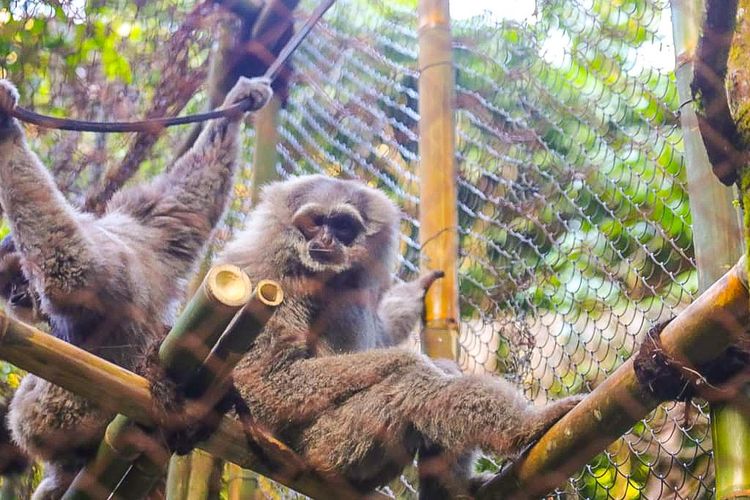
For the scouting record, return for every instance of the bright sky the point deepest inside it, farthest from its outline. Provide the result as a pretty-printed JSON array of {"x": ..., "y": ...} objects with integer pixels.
[
  {"x": 518, "y": 10},
  {"x": 658, "y": 54}
]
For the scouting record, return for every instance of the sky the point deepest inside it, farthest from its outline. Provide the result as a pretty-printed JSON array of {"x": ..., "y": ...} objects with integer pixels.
[
  {"x": 659, "y": 54},
  {"x": 518, "y": 10}
]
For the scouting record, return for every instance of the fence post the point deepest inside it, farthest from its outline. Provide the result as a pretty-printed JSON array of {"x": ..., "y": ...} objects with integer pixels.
[
  {"x": 265, "y": 155},
  {"x": 438, "y": 219},
  {"x": 718, "y": 243}
]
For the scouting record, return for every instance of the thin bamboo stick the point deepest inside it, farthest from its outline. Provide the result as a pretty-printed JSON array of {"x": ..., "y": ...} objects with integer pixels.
[
  {"x": 120, "y": 391},
  {"x": 438, "y": 217},
  {"x": 702, "y": 332}
]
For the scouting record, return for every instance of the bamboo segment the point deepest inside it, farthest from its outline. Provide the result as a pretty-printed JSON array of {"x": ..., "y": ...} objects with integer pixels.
[
  {"x": 700, "y": 333},
  {"x": 265, "y": 156},
  {"x": 236, "y": 340},
  {"x": 145, "y": 472},
  {"x": 118, "y": 390},
  {"x": 224, "y": 291},
  {"x": 241, "y": 483},
  {"x": 178, "y": 477},
  {"x": 209, "y": 383},
  {"x": 203, "y": 476},
  {"x": 438, "y": 217},
  {"x": 119, "y": 447}
]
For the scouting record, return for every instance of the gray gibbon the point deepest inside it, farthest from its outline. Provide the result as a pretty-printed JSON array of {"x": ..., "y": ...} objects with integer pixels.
[
  {"x": 323, "y": 376},
  {"x": 108, "y": 283}
]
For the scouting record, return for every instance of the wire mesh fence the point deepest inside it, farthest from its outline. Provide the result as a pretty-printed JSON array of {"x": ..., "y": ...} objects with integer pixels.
[{"x": 575, "y": 231}]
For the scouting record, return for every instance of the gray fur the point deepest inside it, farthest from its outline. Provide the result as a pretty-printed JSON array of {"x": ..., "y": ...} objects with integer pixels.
[
  {"x": 108, "y": 284},
  {"x": 356, "y": 306},
  {"x": 362, "y": 415}
]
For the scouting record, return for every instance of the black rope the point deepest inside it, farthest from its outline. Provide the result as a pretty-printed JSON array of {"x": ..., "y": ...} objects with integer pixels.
[{"x": 155, "y": 124}]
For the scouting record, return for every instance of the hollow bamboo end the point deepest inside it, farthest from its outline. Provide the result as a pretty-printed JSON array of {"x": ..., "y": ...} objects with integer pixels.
[
  {"x": 269, "y": 292},
  {"x": 228, "y": 285}
]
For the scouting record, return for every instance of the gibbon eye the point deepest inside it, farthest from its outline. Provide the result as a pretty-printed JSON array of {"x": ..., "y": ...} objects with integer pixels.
[{"x": 345, "y": 228}]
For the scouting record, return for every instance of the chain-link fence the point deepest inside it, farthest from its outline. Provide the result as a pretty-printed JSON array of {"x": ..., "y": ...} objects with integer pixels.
[{"x": 575, "y": 232}]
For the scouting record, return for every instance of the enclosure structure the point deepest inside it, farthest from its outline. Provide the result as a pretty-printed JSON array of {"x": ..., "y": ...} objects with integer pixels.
[{"x": 574, "y": 229}]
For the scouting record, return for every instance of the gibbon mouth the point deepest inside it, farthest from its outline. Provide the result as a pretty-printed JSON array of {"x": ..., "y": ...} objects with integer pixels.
[{"x": 324, "y": 255}]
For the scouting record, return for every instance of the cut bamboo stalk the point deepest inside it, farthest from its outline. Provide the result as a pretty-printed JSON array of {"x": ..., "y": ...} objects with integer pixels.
[
  {"x": 178, "y": 477},
  {"x": 239, "y": 336},
  {"x": 224, "y": 290},
  {"x": 699, "y": 334},
  {"x": 118, "y": 390},
  {"x": 210, "y": 382},
  {"x": 438, "y": 216}
]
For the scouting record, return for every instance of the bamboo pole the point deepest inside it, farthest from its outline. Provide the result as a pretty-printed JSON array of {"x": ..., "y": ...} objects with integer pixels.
[
  {"x": 718, "y": 243},
  {"x": 203, "y": 476},
  {"x": 265, "y": 155},
  {"x": 210, "y": 383},
  {"x": 702, "y": 332},
  {"x": 216, "y": 370},
  {"x": 119, "y": 391},
  {"x": 241, "y": 484},
  {"x": 224, "y": 290},
  {"x": 178, "y": 477},
  {"x": 438, "y": 218}
]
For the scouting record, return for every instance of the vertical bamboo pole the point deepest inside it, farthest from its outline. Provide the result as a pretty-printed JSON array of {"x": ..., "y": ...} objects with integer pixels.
[
  {"x": 178, "y": 477},
  {"x": 718, "y": 244},
  {"x": 241, "y": 483},
  {"x": 265, "y": 155},
  {"x": 203, "y": 476},
  {"x": 438, "y": 218}
]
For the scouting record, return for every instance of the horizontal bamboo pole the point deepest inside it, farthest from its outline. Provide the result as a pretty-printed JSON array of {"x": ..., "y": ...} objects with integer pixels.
[
  {"x": 119, "y": 391},
  {"x": 702, "y": 332}
]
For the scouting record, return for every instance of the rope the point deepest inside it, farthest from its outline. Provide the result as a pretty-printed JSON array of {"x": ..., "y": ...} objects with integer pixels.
[{"x": 155, "y": 124}]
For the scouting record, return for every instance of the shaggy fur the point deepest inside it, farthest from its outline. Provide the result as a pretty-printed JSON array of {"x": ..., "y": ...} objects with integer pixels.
[
  {"x": 108, "y": 284},
  {"x": 349, "y": 299},
  {"x": 362, "y": 415}
]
